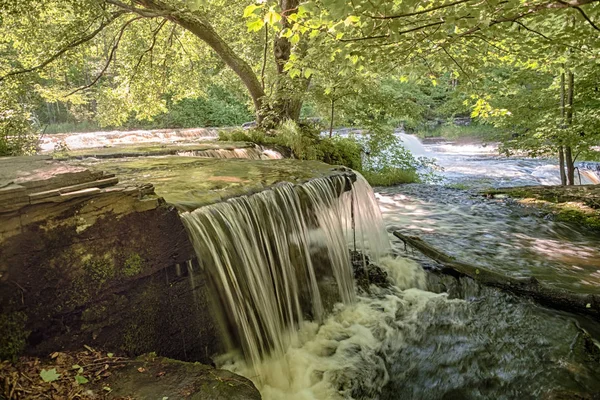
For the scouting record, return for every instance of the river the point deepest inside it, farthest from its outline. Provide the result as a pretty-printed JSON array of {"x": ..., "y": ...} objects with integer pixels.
[
  {"x": 438, "y": 338},
  {"x": 496, "y": 234}
]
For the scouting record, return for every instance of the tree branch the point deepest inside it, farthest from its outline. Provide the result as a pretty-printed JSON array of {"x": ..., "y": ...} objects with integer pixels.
[
  {"x": 420, "y": 12},
  {"x": 68, "y": 47},
  {"x": 140, "y": 11},
  {"x": 110, "y": 57},
  {"x": 457, "y": 64},
  {"x": 418, "y": 28},
  {"x": 583, "y": 14},
  {"x": 149, "y": 49}
]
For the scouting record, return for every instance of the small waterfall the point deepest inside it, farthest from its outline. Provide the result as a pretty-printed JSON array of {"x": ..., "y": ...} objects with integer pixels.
[
  {"x": 413, "y": 144},
  {"x": 272, "y": 256},
  {"x": 251, "y": 153}
]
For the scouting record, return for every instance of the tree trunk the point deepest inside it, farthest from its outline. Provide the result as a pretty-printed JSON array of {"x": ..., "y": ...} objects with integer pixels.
[
  {"x": 332, "y": 117},
  {"x": 561, "y": 165},
  {"x": 288, "y": 96},
  {"x": 570, "y": 165},
  {"x": 561, "y": 153},
  {"x": 569, "y": 119}
]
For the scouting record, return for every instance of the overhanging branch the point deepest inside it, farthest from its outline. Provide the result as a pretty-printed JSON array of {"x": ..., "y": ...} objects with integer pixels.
[
  {"x": 110, "y": 57},
  {"x": 68, "y": 47}
]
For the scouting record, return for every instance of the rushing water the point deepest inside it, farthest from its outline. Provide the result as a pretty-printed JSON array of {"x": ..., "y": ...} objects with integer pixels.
[
  {"x": 496, "y": 234},
  {"x": 275, "y": 257}
]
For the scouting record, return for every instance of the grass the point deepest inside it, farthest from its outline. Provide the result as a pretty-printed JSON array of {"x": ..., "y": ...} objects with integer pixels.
[{"x": 390, "y": 177}]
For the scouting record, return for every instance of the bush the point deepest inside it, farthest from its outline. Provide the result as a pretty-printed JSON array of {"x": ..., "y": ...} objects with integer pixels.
[
  {"x": 17, "y": 135},
  {"x": 390, "y": 176},
  {"x": 387, "y": 163}
]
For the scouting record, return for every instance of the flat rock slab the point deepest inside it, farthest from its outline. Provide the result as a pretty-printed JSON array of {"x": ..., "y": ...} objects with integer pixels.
[
  {"x": 155, "y": 378},
  {"x": 40, "y": 179},
  {"x": 191, "y": 182}
]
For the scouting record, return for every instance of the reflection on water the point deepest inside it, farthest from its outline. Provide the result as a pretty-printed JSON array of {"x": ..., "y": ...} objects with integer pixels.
[{"x": 496, "y": 234}]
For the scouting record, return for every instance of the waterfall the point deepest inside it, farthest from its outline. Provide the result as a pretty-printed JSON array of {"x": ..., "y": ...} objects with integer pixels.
[
  {"x": 271, "y": 257},
  {"x": 251, "y": 153}
]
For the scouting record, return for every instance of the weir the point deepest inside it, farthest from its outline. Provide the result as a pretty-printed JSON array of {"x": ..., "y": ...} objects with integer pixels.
[{"x": 281, "y": 256}]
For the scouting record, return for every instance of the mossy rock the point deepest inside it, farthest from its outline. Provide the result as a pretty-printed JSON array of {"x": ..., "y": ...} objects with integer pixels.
[
  {"x": 152, "y": 378},
  {"x": 13, "y": 334}
]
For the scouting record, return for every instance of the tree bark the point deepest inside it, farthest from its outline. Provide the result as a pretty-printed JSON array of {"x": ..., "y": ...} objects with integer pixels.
[
  {"x": 561, "y": 151},
  {"x": 561, "y": 165},
  {"x": 546, "y": 295},
  {"x": 287, "y": 103},
  {"x": 570, "y": 162},
  {"x": 569, "y": 119}
]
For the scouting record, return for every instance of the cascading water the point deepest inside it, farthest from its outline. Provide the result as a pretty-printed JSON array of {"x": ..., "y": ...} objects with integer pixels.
[
  {"x": 268, "y": 256},
  {"x": 252, "y": 153},
  {"x": 275, "y": 259}
]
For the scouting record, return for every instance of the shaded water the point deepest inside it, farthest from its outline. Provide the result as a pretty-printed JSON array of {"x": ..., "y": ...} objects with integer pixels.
[{"x": 496, "y": 234}]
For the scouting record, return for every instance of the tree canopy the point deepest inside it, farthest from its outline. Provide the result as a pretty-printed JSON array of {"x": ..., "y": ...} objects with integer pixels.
[{"x": 359, "y": 60}]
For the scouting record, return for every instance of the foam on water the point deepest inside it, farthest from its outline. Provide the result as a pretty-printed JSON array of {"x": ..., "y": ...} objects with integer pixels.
[{"x": 346, "y": 356}]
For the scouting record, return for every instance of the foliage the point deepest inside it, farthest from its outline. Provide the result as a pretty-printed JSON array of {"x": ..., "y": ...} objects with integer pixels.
[{"x": 380, "y": 157}]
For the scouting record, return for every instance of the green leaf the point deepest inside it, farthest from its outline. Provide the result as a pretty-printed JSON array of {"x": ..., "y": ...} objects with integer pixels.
[
  {"x": 49, "y": 375},
  {"x": 295, "y": 39},
  {"x": 110, "y": 355},
  {"x": 352, "y": 19},
  {"x": 255, "y": 26},
  {"x": 294, "y": 72},
  {"x": 588, "y": 305},
  {"x": 81, "y": 379},
  {"x": 272, "y": 17},
  {"x": 78, "y": 367},
  {"x": 308, "y": 72},
  {"x": 248, "y": 11}
]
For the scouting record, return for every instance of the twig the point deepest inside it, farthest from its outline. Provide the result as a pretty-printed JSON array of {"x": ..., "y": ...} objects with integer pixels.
[{"x": 110, "y": 58}]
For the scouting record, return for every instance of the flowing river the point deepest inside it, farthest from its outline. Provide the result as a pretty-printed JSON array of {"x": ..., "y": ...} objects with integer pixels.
[
  {"x": 427, "y": 337},
  {"x": 274, "y": 257}
]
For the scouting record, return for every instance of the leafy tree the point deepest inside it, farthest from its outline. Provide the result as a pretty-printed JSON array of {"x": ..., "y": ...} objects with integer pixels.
[{"x": 126, "y": 55}]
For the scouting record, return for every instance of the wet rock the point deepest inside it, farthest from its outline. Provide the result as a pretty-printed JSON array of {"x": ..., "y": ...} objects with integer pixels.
[
  {"x": 366, "y": 273},
  {"x": 162, "y": 378}
]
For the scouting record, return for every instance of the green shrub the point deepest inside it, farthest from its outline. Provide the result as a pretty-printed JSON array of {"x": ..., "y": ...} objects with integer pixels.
[
  {"x": 17, "y": 135},
  {"x": 389, "y": 163},
  {"x": 390, "y": 176}
]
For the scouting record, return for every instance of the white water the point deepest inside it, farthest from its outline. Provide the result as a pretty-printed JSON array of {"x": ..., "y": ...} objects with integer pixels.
[
  {"x": 477, "y": 162},
  {"x": 267, "y": 254},
  {"x": 250, "y": 153},
  {"x": 76, "y": 141},
  {"x": 346, "y": 356}
]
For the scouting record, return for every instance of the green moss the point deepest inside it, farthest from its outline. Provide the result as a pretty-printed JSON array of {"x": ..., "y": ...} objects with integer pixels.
[
  {"x": 13, "y": 335},
  {"x": 98, "y": 271},
  {"x": 578, "y": 216},
  {"x": 133, "y": 265}
]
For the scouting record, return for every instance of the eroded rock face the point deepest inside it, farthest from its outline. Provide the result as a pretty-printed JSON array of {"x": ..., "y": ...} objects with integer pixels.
[{"x": 102, "y": 266}]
